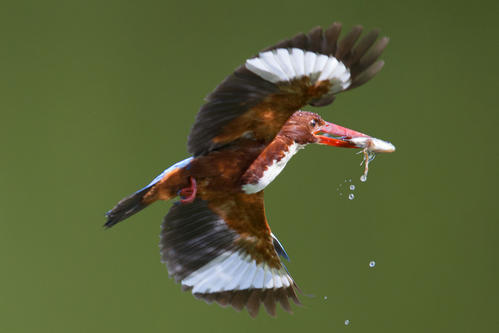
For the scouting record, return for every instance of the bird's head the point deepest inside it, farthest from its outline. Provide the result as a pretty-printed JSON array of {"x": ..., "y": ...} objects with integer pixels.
[{"x": 308, "y": 127}]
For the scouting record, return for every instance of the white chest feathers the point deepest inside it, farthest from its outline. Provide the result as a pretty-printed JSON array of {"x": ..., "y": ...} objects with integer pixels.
[{"x": 272, "y": 171}]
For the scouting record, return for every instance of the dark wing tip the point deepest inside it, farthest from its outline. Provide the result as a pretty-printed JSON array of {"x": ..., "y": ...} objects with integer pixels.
[
  {"x": 369, "y": 56},
  {"x": 361, "y": 56},
  {"x": 346, "y": 44},
  {"x": 251, "y": 299},
  {"x": 368, "y": 73}
]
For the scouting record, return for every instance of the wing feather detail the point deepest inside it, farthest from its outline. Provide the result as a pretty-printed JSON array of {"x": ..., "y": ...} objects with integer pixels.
[
  {"x": 208, "y": 253},
  {"x": 260, "y": 95}
]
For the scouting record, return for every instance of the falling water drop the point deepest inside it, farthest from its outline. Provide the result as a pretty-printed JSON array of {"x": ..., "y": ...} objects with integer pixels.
[
  {"x": 325, "y": 297},
  {"x": 347, "y": 322},
  {"x": 351, "y": 196},
  {"x": 372, "y": 263},
  {"x": 352, "y": 187},
  {"x": 363, "y": 178}
]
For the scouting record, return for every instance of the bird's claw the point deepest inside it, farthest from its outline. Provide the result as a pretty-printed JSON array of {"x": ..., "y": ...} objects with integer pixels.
[{"x": 188, "y": 194}]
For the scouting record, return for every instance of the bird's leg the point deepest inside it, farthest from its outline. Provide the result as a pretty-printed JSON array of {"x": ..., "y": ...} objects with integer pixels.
[{"x": 188, "y": 194}]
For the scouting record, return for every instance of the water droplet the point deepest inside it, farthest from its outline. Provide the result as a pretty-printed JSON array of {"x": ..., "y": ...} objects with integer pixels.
[
  {"x": 352, "y": 187},
  {"x": 325, "y": 297},
  {"x": 363, "y": 178},
  {"x": 347, "y": 322},
  {"x": 372, "y": 263},
  {"x": 351, "y": 196}
]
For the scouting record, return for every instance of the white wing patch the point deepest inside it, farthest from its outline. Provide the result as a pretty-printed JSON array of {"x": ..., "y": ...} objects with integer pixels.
[
  {"x": 236, "y": 271},
  {"x": 283, "y": 65}
]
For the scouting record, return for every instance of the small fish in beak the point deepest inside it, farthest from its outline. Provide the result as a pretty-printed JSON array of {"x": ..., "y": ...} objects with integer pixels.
[{"x": 334, "y": 135}]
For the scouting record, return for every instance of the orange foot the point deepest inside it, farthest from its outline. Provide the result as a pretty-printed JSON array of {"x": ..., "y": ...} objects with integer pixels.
[{"x": 188, "y": 194}]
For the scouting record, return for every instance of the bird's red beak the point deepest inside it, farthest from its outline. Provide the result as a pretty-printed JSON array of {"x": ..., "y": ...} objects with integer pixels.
[{"x": 334, "y": 135}]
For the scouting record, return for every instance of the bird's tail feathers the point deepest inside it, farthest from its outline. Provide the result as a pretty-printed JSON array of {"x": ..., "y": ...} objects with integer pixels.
[
  {"x": 134, "y": 203},
  {"x": 126, "y": 207}
]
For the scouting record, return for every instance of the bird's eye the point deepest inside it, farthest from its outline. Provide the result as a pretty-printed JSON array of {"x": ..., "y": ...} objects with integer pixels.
[{"x": 313, "y": 123}]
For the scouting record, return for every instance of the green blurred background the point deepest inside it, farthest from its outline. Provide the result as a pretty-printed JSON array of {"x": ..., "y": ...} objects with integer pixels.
[{"x": 98, "y": 97}]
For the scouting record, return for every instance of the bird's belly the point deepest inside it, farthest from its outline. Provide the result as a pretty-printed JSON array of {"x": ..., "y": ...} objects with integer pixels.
[{"x": 271, "y": 171}]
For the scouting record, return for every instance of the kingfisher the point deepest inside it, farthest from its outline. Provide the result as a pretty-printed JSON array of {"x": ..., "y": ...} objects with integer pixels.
[{"x": 215, "y": 240}]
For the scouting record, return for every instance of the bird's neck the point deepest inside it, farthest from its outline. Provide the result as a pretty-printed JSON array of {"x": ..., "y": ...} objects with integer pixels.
[{"x": 269, "y": 164}]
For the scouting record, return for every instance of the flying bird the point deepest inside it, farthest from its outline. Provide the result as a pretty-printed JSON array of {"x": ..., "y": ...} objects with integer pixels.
[{"x": 215, "y": 240}]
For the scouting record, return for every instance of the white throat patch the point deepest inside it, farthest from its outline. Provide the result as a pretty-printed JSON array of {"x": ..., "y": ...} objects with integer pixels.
[{"x": 273, "y": 170}]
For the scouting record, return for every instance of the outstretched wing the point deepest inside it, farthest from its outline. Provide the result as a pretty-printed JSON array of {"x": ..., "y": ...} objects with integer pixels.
[
  {"x": 256, "y": 100},
  {"x": 223, "y": 251}
]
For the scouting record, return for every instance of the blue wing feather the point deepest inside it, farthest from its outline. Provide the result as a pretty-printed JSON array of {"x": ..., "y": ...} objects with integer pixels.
[
  {"x": 133, "y": 203},
  {"x": 180, "y": 164},
  {"x": 279, "y": 248}
]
